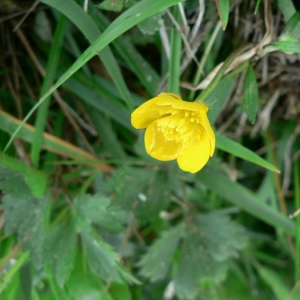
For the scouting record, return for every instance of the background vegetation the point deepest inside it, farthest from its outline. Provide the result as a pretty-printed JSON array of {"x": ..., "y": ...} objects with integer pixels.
[{"x": 86, "y": 213}]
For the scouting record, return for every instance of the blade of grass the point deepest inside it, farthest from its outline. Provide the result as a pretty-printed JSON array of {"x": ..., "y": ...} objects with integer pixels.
[
  {"x": 238, "y": 150},
  {"x": 100, "y": 100},
  {"x": 9, "y": 124},
  {"x": 147, "y": 76},
  {"x": 240, "y": 196},
  {"x": 103, "y": 127},
  {"x": 297, "y": 206},
  {"x": 175, "y": 56},
  {"x": 91, "y": 31},
  {"x": 42, "y": 112},
  {"x": 128, "y": 19},
  {"x": 280, "y": 290},
  {"x": 13, "y": 270}
]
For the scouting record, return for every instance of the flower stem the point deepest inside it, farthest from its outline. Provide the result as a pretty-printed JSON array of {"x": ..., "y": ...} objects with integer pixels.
[{"x": 221, "y": 72}]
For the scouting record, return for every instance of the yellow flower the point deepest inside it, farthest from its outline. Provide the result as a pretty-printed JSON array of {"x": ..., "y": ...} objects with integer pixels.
[{"x": 176, "y": 129}]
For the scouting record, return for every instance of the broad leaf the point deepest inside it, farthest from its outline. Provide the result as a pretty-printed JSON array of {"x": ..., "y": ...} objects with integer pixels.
[
  {"x": 206, "y": 250},
  {"x": 156, "y": 262},
  {"x": 60, "y": 249}
]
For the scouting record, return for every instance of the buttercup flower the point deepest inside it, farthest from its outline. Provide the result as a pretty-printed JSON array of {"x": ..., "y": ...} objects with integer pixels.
[{"x": 176, "y": 129}]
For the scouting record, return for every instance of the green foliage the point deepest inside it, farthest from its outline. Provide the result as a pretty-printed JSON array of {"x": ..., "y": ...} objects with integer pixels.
[
  {"x": 206, "y": 252},
  {"x": 223, "y": 10},
  {"x": 24, "y": 214},
  {"x": 250, "y": 101},
  {"x": 85, "y": 213},
  {"x": 230, "y": 146},
  {"x": 155, "y": 264},
  {"x": 114, "y": 5}
]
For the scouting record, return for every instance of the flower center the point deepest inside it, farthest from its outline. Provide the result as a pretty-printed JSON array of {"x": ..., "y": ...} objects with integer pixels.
[{"x": 180, "y": 125}]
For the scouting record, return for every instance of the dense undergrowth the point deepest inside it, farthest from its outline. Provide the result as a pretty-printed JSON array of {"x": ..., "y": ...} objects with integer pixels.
[{"x": 86, "y": 213}]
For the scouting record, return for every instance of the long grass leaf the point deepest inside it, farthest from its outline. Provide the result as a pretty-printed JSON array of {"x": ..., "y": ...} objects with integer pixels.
[
  {"x": 240, "y": 196},
  {"x": 51, "y": 68},
  {"x": 10, "y": 124},
  {"x": 226, "y": 144}
]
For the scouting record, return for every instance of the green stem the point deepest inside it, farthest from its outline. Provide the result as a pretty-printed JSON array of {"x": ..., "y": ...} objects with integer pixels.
[
  {"x": 22, "y": 259},
  {"x": 222, "y": 71},
  {"x": 297, "y": 206}
]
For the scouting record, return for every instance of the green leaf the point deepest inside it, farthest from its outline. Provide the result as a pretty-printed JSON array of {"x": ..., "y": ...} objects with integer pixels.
[
  {"x": 292, "y": 24},
  {"x": 113, "y": 5},
  {"x": 206, "y": 250},
  {"x": 257, "y": 6},
  {"x": 13, "y": 183},
  {"x": 238, "y": 150},
  {"x": 217, "y": 98},
  {"x": 86, "y": 286},
  {"x": 150, "y": 25},
  {"x": 279, "y": 288},
  {"x": 240, "y": 196},
  {"x": 250, "y": 101},
  {"x": 60, "y": 249},
  {"x": 119, "y": 291},
  {"x": 156, "y": 262},
  {"x": 103, "y": 261},
  {"x": 175, "y": 56},
  {"x": 147, "y": 76},
  {"x": 51, "y": 69},
  {"x": 289, "y": 45},
  {"x": 95, "y": 209},
  {"x": 145, "y": 200},
  {"x": 223, "y": 10},
  {"x": 36, "y": 180},
  {"x": 24, "y": 214}
]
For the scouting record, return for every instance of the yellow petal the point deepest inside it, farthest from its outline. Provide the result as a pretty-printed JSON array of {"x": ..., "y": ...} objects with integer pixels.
[
  {"x": 148, "y": 112},
  {"x": 175, "y": 101},
  {"x": 211, "y": 135},
  {"x": 195, "y": 154},
  {"x": 158, "y": 146}
]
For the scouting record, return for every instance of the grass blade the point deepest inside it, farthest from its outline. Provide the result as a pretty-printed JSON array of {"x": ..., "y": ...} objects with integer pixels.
[{"x": 238, "y": 150}]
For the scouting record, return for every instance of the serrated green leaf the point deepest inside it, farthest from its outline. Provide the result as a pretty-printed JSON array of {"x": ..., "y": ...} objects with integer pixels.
[
  {"x": 221, "y": 234},
  {"x": 223, "y": 10},
  {"x": 12, "y": 183},
  {"x": 95, "y": 209},
  {"x": 156, "y": 262},
  {"x": 238, "y": 150},
  {"x": 250, "y": 101},
  {"x": 146, "y": 200},
  {"x": 103, "y": 261},
  {"x": 23, "y": 214},
  {"x": 90, "y": 207},
  {"x": 206, "y": 250},
  {"x": 60, "y": 250}
]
